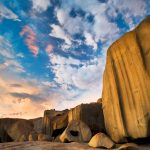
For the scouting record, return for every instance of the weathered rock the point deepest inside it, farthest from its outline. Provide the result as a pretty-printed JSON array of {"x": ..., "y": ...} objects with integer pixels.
[
  {"x": 100, "y": 140},
  {"x": 44, "y": 137},
  {"x": 129, "y": 146},
  {"x": 126, "y": 96},
  {"x": 91, "y": 114},
  {"x": 13, "y": 129},
  {"x": 19, "y": 128},
  {"x": 37, "y": 122},
  {"x": 57, "y": 139},
  {"x": 5, "y": 124},
  {"x": 76, "y": 131},
  {"x": 54, "y": 122},
  {"x": 33, "y": 136},
  {"x": 23, "y": 138}
]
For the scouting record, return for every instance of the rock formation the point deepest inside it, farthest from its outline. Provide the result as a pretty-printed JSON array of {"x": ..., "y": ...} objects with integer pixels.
[
  {"x": 37, "y": 123},
  {"x": 54, "y": 122},
  {"x": 33, "y": 136},
  {"x": 126, "y": 81},
  {"x": 16, "y": 129},
  {"x": 76, "y": 131},
  {"x": 91, "y": 114},
  {"x": 21, "y": 128},
  {"x": 100, "y": 140},
  {"x": 44, "y": 137}
]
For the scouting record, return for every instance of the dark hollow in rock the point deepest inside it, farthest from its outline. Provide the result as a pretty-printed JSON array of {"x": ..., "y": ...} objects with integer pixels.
[
  {"x": 57, "y": 132},
  {"x": 66, "y": 141},
  {"x": 74, "y": 133},
  {"x": 93, "y": 118},
  {"x": 54, "y": 120},
  {"x": 4, "y": 137},
  {"x": 139, "y": 140}
]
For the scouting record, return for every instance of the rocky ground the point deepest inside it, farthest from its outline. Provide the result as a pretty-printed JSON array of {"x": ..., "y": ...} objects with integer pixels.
[{"x": 52, "y": 146}]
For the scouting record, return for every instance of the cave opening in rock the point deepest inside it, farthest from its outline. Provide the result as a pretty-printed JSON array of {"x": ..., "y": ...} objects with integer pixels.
[
  {"x": 58, "y": 132},
  {"x": 66, "y": 141},
  {"x": 74, "y": 133},
  {"x": 140, "y": 140},
  {"x": 4, "y": 137}
]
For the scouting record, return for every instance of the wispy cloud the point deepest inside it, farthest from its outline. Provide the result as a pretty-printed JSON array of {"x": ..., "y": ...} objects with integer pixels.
[
  {"x": 30, "y": 39},
  {"x": 20, "y": 95},
  {"x": 6, "y": 13},
  {"x": 7, "y": 54},
  {"x": 58, "y": 32}
]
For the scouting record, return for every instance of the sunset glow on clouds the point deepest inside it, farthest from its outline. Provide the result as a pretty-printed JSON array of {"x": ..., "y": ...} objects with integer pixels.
[
  {"x": 30, "y": 39},
  {"x": 52, "y": 53}
]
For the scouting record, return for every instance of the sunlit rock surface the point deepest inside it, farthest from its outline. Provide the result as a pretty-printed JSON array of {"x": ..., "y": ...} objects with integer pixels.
[{"x": 126, "y": 85}]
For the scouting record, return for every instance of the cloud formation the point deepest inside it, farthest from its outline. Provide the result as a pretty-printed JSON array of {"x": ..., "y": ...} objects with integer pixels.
[
  {"x": 30, "y": 39},
  {"x": 40, "y": 5},
  {"x": 7, "y": 13},
  {"x": 49, "y": 48}
]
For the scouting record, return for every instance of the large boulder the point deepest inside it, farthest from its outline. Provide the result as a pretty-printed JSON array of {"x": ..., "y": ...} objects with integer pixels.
[
  {"x": 76, "y": 131},
  {"x": 5, "y": 126},
  {"x": 19, "y": 129},
  {"x": 54, "y": 122},
  {"x": 91, "y": 114},
  {"x": 100, "y": 140},
  {"x": 126, "y": 85}
]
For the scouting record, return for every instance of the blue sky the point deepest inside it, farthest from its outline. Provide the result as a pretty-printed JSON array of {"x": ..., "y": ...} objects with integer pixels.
[{"x": 53, "y": 52}]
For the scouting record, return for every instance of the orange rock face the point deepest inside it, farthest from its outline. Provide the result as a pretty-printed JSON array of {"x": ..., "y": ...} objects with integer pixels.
[{"x": 126, "y": 80}]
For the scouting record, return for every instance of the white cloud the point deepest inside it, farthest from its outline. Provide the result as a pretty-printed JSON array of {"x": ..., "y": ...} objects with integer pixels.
[
  {"x": 99, "y": 30},
  {"x": 7, "y": 13},
  {"x": 128, "y": 9},
  {"x": 58, "y": 32},
  {"x": 41, "y": 5},
  {"x": 103, "y": 27},
  {"x": 84, "y": 75},
  {"x": 89, "y": 40}
]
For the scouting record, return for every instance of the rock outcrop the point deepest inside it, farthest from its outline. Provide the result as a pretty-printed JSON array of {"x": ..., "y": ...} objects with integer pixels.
[
  {"x": 21, "y": 128},
  {"x": 100, "y": 140},
  {"x": 44, "y": 137},
  {"x": 5, "y": 126},
  {"x": 76, "y": 131},
  {"x": 91, "y": 114},
  {"x": 126, "y": 96},
  {"x": 17, "y": 129},
  {"x": 33, "y": 136},
  {"x": 54, "y": 122},
  {"x": 37, "y": 123}
]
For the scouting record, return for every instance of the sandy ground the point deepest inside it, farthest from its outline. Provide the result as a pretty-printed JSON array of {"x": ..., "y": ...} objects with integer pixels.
[{"x": 51, "y": 146}]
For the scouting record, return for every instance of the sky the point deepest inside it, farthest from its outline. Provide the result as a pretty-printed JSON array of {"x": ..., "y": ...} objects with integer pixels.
[{"x": 53, "y": 52}]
